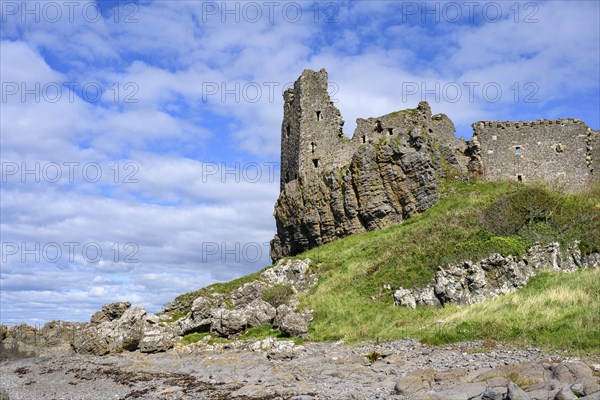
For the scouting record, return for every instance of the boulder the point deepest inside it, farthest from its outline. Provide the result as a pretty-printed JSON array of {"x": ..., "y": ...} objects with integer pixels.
[
  {"x": 514, "y": 392},
  {"x": 204, "y": 307},
  {"x": 247, "y": 293},
  {"x": 156, "y": 339},
  {"x": 99, "y": 317},
  {"x": 569, "y": 372},
  {"x": 460, "y": 391},
  {"x": 259, "y": 312},
  {"x": 115, "y": 336},
  {"x": 290, "y": 322},
  {"x": 228, "y": 322},
  {"x": 115, "y": 310},
  {"x": 186, "y": 325},
  {"x": 565, "y": 394},
  {"x": 494, "y": 393},
  {"x": 416, "y": 382},
  {"x": 290, "y": 272},
  {"x": 405, "y": 298}
]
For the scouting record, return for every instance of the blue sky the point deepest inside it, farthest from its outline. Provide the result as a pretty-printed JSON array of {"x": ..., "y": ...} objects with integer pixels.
[{"x": 140, "y": 140}]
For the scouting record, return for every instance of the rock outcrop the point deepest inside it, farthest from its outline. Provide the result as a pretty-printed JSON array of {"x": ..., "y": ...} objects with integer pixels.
[
  {"x": 254, "y": 304},
  {"x": 333, "y": 186},
  {"x": 118, "y": 327},
  {"x": 472, "y": 282}
]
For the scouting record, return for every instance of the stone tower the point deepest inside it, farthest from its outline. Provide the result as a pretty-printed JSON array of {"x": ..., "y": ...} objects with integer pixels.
[
  {"x": 332, "y": 186},
  {"x": 311, "y": 132}
]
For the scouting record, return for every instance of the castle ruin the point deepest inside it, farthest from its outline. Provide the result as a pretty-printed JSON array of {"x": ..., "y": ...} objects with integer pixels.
[
  {"x": 390, "y": 170},
  {"x": 563, "y": 152}
]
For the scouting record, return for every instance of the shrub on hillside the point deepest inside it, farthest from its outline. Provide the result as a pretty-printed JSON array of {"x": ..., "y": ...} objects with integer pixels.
[
  {"x": 539, "y": 214},
  {"x": 278, "y": 295}
]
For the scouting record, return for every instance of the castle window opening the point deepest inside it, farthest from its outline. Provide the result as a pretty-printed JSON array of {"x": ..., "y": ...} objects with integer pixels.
[
  {"x": 559, "y": 148},
  {"x": 378, "y": 127},
  {"x": 313, "y": 146},
  {"x": 519, "y": 178},
  {"x": 319, "y": 116},
  {"x": 518, "y": 151},
  {"x": 364, "y": 138},
  {"x": 316, "y": 162},
  {"x": 287, "y": 131},
  {"x": 390, "y": 131}
]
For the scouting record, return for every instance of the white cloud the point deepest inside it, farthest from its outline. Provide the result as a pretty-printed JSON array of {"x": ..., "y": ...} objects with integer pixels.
[{"x": 192, "y": 225}]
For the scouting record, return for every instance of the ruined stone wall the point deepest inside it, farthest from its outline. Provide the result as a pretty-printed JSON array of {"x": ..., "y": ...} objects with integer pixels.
[
  {"x": 312, "y": 137},
  {"x": 333, "y": 186},
  {"x": 555, "y": 151}
]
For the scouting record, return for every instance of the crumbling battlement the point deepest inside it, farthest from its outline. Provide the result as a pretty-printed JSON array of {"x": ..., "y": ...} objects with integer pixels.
[{"x": 312, "y": 139}]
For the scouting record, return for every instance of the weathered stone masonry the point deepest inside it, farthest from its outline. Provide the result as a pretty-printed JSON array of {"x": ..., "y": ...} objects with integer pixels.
[
  {"x": 563, "y": 151},
  {"x": 390, "y": 170},
  {"x": 332, "y": 186}
]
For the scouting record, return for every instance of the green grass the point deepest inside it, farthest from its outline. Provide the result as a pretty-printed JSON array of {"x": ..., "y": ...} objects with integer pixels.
[
  {"x": 277, "y": 295},
  {"x": 470, "y": 222},
  {"x": 193, "y": 338},
  {"x": 555, "y": 310},
  {"x": 462, "y": 226},
  {"x": 261, "y": 332}
]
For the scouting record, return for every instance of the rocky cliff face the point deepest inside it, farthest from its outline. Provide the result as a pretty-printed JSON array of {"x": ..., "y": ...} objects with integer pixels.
[{"x": 393, "y": 174}]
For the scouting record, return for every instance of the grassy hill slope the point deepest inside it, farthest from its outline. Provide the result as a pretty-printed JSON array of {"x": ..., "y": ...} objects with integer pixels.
[
  {"x": 469, "y": 223},
  {"x": 353, "y": 301}
]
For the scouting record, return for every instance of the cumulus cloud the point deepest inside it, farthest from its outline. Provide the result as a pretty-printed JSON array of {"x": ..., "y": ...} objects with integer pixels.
[{"x": 178, "y": 106}]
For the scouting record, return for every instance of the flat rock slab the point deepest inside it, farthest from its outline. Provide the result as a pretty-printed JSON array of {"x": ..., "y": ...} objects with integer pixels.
[{"x": 407, "y": 370}]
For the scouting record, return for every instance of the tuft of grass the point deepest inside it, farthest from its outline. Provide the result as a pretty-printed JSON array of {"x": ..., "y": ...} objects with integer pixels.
[
  {"x": 261, "y": 332},
  {"x": 193, "y": 338},
  {"x": 521, "y": 380},
  {"x": 277, "y": 295},
  {"x": 175, "y": 316},
  {"x": 373, "y": 356}
]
